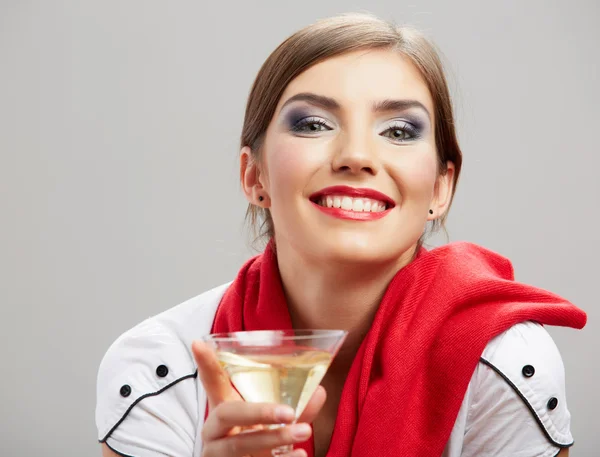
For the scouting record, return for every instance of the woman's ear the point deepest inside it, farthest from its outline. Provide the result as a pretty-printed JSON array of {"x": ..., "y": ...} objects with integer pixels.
[
  {"x": 442, "y": 195},
  {"x": 250, "y": 179}
]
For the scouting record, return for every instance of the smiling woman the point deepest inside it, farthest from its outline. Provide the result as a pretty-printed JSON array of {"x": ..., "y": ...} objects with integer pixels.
[
  {"x": 370, "y": 125},
  {"x": 348, "y": 151}
]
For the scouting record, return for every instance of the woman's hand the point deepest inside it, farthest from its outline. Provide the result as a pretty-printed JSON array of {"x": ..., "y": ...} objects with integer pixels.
[{"x": 230, "y": 414}]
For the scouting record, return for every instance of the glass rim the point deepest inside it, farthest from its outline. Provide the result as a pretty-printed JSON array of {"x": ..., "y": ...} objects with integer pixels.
[{"x": 286, "y": 335}]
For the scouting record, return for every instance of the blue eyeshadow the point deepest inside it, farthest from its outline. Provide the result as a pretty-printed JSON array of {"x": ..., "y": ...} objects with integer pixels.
[
  {"x": 293, "y": 116},
  {"x": 418, "y": 123}
]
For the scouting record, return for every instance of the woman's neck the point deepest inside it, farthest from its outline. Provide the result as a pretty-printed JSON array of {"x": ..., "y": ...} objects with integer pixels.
[{"x": 342, "y": 296}]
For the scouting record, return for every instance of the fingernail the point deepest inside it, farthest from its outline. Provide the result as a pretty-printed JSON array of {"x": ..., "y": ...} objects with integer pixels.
[
  {"x": 301, "y": 431},
  {"x": 284, "y": 414}
]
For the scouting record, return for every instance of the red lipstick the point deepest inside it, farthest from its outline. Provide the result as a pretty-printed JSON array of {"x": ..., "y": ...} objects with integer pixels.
[{"x": 353, "y": 192}]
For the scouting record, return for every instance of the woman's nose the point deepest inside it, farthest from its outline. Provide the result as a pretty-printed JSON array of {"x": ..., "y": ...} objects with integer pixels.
[{"x": 356, "y": 156}]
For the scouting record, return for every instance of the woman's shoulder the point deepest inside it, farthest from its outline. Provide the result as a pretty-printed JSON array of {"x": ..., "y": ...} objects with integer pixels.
[
  {"x": 190, "y": 319},
  {"x": 527, "y": 359},
  {"x": 529, "y": 362},
  {"x": 515, "y": 353},
  {"x": 151, "y": 358},
  {"x": 517, "y": 397}
]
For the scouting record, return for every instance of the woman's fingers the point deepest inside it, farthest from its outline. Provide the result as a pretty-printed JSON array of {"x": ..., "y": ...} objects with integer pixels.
[
  {"x": 256, "y": 441},
  {"x": 228, "y": 412},
  {"x": 214, "y": 379},
  {"x": 231, "y": 414},
  {"x": 314, "y": 405}
]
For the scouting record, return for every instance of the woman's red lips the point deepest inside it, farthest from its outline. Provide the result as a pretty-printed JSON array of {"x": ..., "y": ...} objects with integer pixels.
[
  {"x": 354, "y": 192},
  {"x": 373, "y": 196}
]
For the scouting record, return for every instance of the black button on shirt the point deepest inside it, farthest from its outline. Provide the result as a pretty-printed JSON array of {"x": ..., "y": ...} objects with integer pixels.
[
  {"x": 125, "y": 391},
  {"x": 162, "y": 371},
  {"x": 528, "y": 371}
]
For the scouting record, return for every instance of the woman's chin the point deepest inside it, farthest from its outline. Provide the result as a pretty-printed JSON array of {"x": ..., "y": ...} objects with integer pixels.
[{"x": 354, "y": 249}]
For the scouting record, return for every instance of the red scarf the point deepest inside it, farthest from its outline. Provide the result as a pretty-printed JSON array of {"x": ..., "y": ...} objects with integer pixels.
[{"x": 409, "y": 377}]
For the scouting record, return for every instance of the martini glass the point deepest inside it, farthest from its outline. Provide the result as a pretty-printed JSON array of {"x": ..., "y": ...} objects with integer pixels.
[{"x": 277, "y": 366}]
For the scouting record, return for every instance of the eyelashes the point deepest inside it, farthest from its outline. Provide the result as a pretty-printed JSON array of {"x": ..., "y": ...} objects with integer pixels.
[
  {"x": 398, "y": 131},
  {"x": 403, "y": 131},
  {"x": 310, "y": 124}
]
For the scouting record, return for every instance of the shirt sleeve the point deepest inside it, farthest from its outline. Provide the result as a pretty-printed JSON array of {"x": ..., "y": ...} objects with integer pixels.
[
  {"x": 518, "y": 406},
  {"x": 147, "y": 400}
]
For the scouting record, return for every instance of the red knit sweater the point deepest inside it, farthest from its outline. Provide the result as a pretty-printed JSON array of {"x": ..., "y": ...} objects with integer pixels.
[{"x": 409, "y": 377}]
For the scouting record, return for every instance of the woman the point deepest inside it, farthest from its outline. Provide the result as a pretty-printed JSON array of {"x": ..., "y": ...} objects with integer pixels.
[{"x": 348, "y": 153}]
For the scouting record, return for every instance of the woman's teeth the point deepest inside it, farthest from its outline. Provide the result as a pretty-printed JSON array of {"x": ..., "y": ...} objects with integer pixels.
[{"x": 352, "y": 204}]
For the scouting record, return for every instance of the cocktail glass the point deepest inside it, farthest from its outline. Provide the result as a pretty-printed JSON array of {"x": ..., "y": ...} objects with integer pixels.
[{"x": 277, "y": 366}]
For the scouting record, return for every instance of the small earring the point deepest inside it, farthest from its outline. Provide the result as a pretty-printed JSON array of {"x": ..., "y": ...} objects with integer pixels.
[
  {"x": 430, "y": 211},
  {"x": 261, "y": 198}
]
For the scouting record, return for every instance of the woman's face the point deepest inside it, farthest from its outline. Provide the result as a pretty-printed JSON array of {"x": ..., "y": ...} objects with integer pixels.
[{"x": 349, "y": 165}]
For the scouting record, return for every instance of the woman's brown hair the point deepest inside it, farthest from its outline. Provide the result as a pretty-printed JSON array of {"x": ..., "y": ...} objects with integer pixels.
[{"x": 331, "y": 37}]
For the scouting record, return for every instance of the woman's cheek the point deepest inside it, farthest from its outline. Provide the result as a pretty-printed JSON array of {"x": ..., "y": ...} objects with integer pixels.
[
  {"x": 291, "y": 164},
  {"x": 416, "y": 177}
]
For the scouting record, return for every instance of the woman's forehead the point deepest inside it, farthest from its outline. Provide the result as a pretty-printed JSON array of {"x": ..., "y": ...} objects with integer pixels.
[{"x": 363, "y": 78}]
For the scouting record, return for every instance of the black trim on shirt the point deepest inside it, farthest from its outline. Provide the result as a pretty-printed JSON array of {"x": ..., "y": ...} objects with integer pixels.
[
  {"x": 526, "y": 401},
  {"x": 117, "y": 452},
  {"x": 152, "y": 394}
]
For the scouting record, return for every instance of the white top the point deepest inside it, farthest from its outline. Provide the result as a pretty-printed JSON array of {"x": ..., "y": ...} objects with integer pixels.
[{"x": 151, "y": 404}]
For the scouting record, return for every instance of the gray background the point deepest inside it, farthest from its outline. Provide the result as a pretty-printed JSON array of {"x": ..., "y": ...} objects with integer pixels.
[{"x": 119, "y": 127}]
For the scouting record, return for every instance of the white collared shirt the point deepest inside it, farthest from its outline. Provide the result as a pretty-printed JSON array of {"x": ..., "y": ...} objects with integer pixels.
[{"x": 151, "y": 404}]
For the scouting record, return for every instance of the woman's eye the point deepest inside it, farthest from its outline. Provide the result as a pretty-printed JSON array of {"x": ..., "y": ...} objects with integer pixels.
[
  {"x": 310, "y": 125},
  {"x": 402, "y": 132}
]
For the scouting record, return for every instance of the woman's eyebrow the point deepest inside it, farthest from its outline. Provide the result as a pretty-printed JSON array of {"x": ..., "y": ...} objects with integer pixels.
[
  {"x": 388, "y": 105},
  {"x": 317, "y": 100},
  {"x": 382, "y": 106}
]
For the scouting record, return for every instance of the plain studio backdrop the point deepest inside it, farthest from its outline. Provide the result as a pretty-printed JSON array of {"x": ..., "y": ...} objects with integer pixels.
[{"x": 119, "y": 194}]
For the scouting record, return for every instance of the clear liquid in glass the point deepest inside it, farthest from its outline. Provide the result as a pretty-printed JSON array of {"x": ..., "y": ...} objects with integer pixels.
[{"x": 284, "y": 375}]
